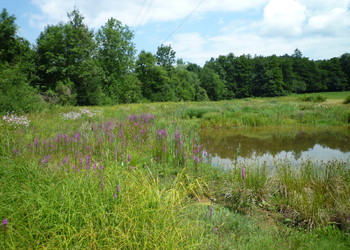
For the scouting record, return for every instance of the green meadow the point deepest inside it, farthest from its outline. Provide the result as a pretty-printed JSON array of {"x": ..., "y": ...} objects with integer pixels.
[{"x": 135, "y": 176}]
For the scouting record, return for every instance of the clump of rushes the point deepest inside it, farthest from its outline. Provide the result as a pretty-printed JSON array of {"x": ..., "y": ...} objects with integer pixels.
[{"x": 314, "y": 196}]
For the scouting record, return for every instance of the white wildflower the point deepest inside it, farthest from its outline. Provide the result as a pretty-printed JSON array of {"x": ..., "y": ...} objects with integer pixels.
[
  {"x": 16, "y": 121},
  {"x": 70, "y": 115},
  {"x": 76, "y": 115}
]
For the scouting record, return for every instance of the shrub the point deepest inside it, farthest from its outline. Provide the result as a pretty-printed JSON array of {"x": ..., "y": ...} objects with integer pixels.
[
  {"x": 198, "y": 112},
  {"x": 313, "y": 98},
  {"x": 16, "y": 95},
  {"x": 347, "y": 100}
]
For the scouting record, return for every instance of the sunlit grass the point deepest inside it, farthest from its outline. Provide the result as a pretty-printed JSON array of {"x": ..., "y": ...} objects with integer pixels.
[{"x": 135, "y": 177}]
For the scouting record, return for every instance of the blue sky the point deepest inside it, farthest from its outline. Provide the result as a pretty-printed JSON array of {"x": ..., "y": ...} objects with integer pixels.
[{"x": 200, "y": 29}]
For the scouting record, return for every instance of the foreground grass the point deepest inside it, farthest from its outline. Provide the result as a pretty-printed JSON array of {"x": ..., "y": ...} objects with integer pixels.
[{"x": 134, "y": 177}]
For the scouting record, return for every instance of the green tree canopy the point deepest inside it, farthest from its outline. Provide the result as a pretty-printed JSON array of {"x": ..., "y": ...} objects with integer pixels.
[
  {"x": 165, "y": 56},
  {"x": 65, "y": 54},
  {"x": 12, "y": 47}
]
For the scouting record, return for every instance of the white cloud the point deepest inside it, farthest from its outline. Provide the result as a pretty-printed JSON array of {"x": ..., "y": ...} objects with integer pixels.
[
  {"x": 315, "y": 6},
  {"x": 319, "y": 28},
  {"x": 334, "y": 22},
  {"x": 283, "y": 18},
  {"x": 134, "y": 12},
  {"x": 198, "y": 49},
  {"x": 191, "y": 46}
]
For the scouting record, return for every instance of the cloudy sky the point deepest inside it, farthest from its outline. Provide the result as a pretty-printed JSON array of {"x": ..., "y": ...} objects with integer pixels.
[{"x": 200, "y": 29}]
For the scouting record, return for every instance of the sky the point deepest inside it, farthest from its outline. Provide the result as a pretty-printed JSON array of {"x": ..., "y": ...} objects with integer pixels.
[{"x": 202, "y": 29}]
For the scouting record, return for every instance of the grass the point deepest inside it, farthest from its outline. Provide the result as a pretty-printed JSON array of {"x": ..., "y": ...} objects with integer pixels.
[{"x": 134, "y": 177}]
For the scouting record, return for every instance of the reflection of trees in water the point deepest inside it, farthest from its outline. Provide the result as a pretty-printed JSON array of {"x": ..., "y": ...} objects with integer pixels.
[{"x": 225, "y": 145}]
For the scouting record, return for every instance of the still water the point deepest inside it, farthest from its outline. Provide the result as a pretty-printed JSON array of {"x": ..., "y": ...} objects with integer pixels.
[{"x": 270, "y": 145}]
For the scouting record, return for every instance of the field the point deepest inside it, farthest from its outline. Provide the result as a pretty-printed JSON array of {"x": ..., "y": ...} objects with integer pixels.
[{"x": 135, "y": 177}]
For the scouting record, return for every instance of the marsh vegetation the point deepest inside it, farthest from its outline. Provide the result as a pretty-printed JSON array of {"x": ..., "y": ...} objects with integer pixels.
[{"x": 137, "y": 176}]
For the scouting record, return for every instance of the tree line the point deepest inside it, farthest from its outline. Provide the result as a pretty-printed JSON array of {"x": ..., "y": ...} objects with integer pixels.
[{"x": 71, "y": 64}]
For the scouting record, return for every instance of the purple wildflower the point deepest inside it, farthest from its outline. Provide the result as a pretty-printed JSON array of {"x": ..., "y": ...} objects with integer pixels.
[
  {"x": 164, "y": 147},
  {"x": 162, "y": 133},
  {"x": 215, "y": 230},
  {"x": 36, "y": 142},
  {"x": 243, "y": 174},
  {"x": 211, "y": 210},
  {"x": 121, "y": 133},
  {"x": 102, "y": 184},
  {"x": 115, "y": 196},
  {"x": 129, "y": 158},
  {"x": 87, "y": 160},
  {"x": 118, "y": 188},
  {"x": 195, "y": 158},
  {"x": 177, "y": 136},
  {"x": 45, "y": 160},
  {"x": 66, "y": 159},
  {"x": 4, "y": 222}
]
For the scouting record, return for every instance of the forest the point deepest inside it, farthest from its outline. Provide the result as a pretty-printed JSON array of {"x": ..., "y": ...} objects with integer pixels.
[{"x": 71, "y": 64}]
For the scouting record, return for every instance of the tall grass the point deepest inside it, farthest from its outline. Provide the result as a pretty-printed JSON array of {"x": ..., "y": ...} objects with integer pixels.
[
  {"x": 136, "y": 177},
  {"x": 313, "y": 195}
]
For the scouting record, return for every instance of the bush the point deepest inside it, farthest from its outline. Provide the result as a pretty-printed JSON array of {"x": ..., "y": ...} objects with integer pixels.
[
  {"x": 347, "y": 100},
  {"x": 313, "y": 98},
  {"x": 16, "y": 95},
  {"x": 199, "y": 112}
]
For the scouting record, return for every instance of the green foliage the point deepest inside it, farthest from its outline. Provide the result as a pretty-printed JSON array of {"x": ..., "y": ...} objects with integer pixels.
[
  {"x": 64, "y": 93},
  {"x": 15, "y": 93},
  {"x": 165, "y": 56},
  {"x": 212, "y": 84},
  {"x": 198, "y": 112},
  {"x": 104, "y": 178},
  {"x": 313, "y": 98},
  {"x": 115, "y": 56},
  {"x": 64, "y": 54},
  {"x": 347, "y": 100},
  {"x": 12, "y": 47},
  {"x": 75, "y": 66}
]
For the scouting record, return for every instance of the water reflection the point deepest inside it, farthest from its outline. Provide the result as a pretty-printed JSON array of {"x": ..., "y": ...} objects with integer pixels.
[{"x": 270, "y": 144}]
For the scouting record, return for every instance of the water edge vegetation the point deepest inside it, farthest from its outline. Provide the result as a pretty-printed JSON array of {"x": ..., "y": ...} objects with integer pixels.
[{"x": 134, "y": 176}]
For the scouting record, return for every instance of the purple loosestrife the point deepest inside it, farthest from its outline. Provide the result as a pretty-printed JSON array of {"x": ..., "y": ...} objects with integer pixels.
[
  {"x": 164, "y": 147},
  {"x": 243, "y": 174},
  {"x": 177, "y": 136},
  {"x": 211, "y": 210},
  {"x": 36, "y": 142},
  {"x": 162, "y": 134},
  {"x": 121, "y": 133},
  {"x": 102, "y": 184},
  {"x": 205, "y": 153},
  {"x": 195, "y": 158},
  {"x": 4, "y": 224},
  {"x": 87, "y": 161},
  {"x": 45, "y": 160},
  {"x": 129, "y": 158}
]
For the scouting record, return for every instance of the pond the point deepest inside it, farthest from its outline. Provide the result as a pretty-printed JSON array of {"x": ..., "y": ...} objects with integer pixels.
[{"x": 270, "y": 145}]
